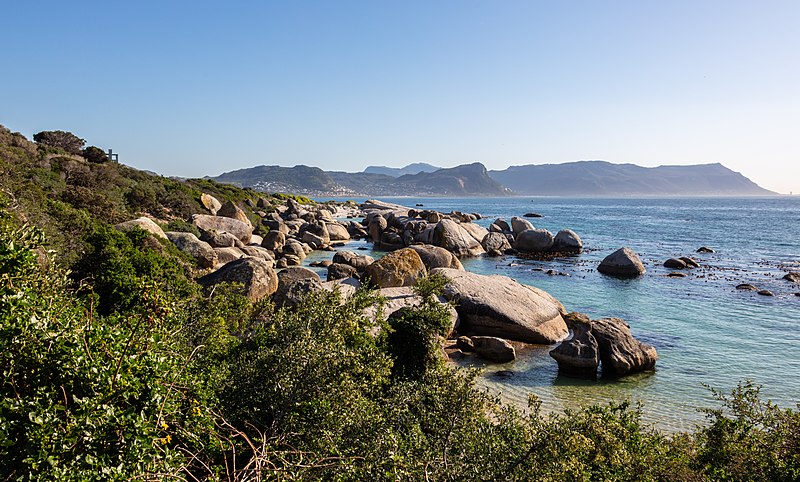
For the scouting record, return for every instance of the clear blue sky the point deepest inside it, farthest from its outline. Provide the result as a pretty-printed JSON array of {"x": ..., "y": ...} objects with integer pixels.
[{"x": 198, "y": 88}]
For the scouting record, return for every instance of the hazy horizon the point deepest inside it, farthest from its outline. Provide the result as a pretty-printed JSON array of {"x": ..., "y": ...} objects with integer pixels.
[{"x": 195, "y": 89}]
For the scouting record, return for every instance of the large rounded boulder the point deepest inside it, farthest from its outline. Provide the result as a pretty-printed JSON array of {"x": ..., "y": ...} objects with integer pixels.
[
  {"x": 499, "y": 306},
  {"x": 620, "y": 352},
  {"x": 567, "y": 240},
  {"x": 519, "y": 225},
  {"x": 495, "y": 243},
  {"x": 241, "y": 230},
  {"x": 624, "y": 263},
  {"x": 580, "y": 355},
  {"x": 399, "y": 268},
  {"x": 436, "y": 257},
  {"x": 350, "y": 258},
  {"x": 231, "y": 210},
  {"x": 451, "y": 236},
  {"x": 201, "y": 251},
  {"x": 143, "y": 223},
  {"x": 533, "y": 241},
  {"x": 256, "y": 276}
]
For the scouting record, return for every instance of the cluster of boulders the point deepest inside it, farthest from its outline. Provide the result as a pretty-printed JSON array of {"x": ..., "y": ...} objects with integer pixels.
[
  {"x": 392, "y": 226},
  {"x": 606, "y": 343},
  {"x": 487, "y": 313}
]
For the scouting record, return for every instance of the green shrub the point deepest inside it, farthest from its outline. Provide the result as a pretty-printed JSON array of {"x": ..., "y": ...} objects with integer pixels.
[
  {"x": 95, "y": 154},
  {"x": 60, "y": 139}
]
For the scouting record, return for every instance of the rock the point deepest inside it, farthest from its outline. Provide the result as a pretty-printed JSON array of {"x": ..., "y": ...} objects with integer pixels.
[
  {"x": 449, "y": 235},
  {"x": 359, "y": 262},
  {"x": 690, "y": 263},
  {"x": 623, "y": 262},
  {"x": 256, "y": 240},
  {"x": 495, "y": 244},
  {"x": 276, "y": 225},
  {"x": 534, "y": 240},
  {"x": 341, "y": 271},
  {"x": 476, "y": 231},
  {"x": 533, "y": 215},
  {"x": 519, "y": 225},
  {"x": 704, "y": 249},
  {"x": 241, "y": 230},
  {"x": 399, "y": 268},
  {"x": 502, "y": 225},
  {"x": 376, "y": 227},
  {"x": 287, "y": 278},
  {"x": 436, "y": 257},
  {"x": 274, "y": 241},
  {"x": 499, "y": 306},
  {"x": 567, "y": 240},
  {"x": 746, "y": 287},
  {"x": 794, "y": 277},
  {"x": 493, "y": 349},
  {"x": 231, "y": 210},
  {"x": 676, "y": 274},
  {"x": 674, "y": 263},
  {"x": 210, "y": 202},
  {"x": 294, "y": 248},
  {"x": 337, "y": 232},
  {"x": 321, "y": 264},
  {"x": 228, "y": 254},
  {"x": 259, "y": 252},
  {"x": 221, "y": 240},
  {"x": 346, "y": 287},
  {"x": 201, "y": 251},
  {"x": 580, "y": 354},
  {"x": 765, "y": 293},
  {"x": 142, "y": 223},
  {"x": 404, "y": 297},
  {"x": 465, "y": 343},
  {"x": 620, "y": 352},
  {"x": 257, "y": 277}
]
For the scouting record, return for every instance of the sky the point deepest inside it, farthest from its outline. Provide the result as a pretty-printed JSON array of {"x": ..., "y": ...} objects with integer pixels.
[{"x": 199, "y": 88}]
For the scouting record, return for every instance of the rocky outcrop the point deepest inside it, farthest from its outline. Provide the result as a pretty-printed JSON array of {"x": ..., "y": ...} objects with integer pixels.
[
  {"x": 201, "y": 251},
  {"x": 436, "y": 257},
  {"x": 256, "y": 276},
  {"x": 579, "y": 355},
  {"x": 624, "y": 263},
  {"x": 499, "y": 306},
  {"x": 399, "y": 268},
  {"x": 143, "y": 223},
  {"x": 207, "y": 223}
]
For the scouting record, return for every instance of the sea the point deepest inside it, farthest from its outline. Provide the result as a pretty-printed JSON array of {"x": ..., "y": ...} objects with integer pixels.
[{"x": 708, "y": 334}]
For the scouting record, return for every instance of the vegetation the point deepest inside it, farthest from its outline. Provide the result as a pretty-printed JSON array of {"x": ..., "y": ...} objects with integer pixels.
[
  {"x": 62, "y": 140},
  {"x": 123, "y": 369}
]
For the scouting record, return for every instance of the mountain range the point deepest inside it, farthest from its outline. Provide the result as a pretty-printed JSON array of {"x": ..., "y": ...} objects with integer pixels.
[{"x": 580, "y": 178}]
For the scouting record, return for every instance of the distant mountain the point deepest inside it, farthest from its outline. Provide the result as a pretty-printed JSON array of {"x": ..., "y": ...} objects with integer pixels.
[
  {"x": 600, "y": 178},
  {"x": 465, "y": 180},
  {"x": 415, "y": 168}
]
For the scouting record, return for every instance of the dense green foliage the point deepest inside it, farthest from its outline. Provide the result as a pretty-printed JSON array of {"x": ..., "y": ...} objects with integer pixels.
[
  {"x": 60, "y": 139},
  {"x": 123, "y": 369}
]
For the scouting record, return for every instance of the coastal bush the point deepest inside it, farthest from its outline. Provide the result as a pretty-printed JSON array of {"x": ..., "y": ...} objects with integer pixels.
[
  {"x": 60, "y": 139},
  {"x": 95, "y": 154}
]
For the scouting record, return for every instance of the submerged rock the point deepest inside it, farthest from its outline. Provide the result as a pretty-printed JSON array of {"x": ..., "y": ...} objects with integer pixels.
[
  {"x": 623, "y": 262},
  {"x": 704, "y": 249},
  {"x": 746, "y": 287},
  {"x": 765, "y": 293},
  {"x": 675, "y": 263},
  {"x": 794, "y": 277}
]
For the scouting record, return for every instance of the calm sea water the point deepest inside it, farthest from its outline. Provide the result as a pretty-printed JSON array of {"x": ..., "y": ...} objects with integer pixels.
[{"x": 706, "y": 331}]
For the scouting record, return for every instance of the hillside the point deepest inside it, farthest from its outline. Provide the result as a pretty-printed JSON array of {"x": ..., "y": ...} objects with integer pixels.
[
  {"x": 466, "y": 180},
  {"x": 600, "y": 178}
]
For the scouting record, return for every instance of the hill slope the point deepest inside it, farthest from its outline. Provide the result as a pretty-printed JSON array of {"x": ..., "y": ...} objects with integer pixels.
[{"x": 600, "y": 178}]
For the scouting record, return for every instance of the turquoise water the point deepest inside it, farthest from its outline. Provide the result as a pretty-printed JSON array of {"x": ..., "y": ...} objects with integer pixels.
[{"x": 706, "y": 332}]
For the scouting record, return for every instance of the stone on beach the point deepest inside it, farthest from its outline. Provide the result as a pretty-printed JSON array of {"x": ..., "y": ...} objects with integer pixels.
[
  {"x": 453, "y": 237},
  {"x": 399, "y": 268},
  {"x": 256, "y": 276},
  {"x": 201, "y": 251},
  {"x": 143, "y": 223},
  {"x": 206, "y": 222},
  {"x": 436, "y": 257},
  {"x": 493, "y": 349}
]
